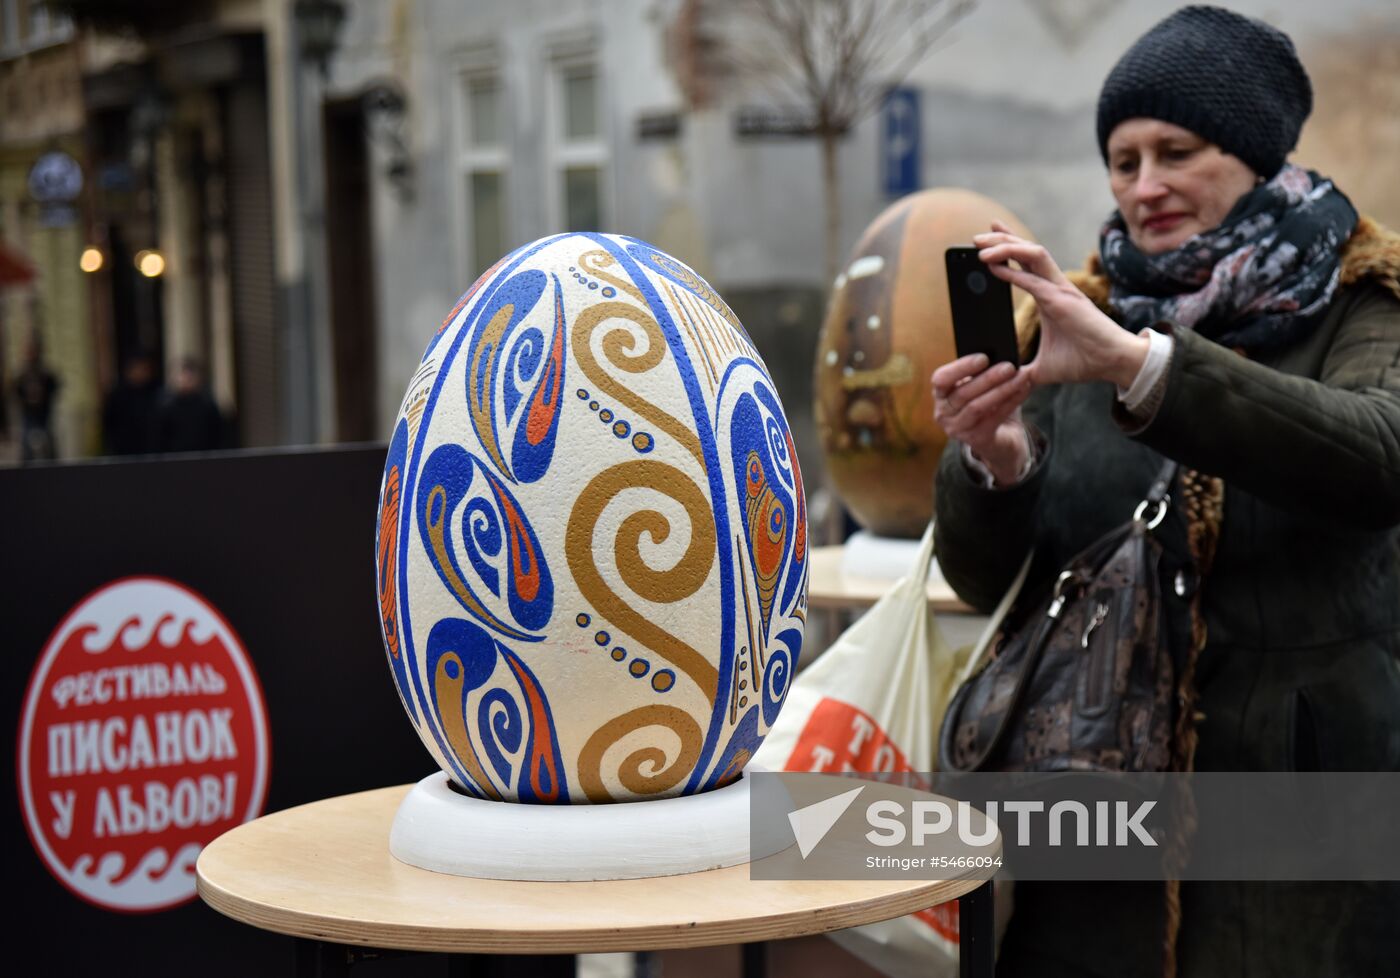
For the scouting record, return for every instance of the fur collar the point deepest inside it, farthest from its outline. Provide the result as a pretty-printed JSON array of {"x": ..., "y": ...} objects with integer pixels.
[{"x": 1372, "y": 251}]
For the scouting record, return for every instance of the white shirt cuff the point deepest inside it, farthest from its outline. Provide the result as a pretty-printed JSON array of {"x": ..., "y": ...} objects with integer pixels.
[
  {"x": 983, "y": 475},
  {"x": 1144, "y": 394}
]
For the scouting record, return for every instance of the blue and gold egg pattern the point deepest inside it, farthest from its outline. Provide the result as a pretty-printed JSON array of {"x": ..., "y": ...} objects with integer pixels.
[{"x": 591, "y": 551}]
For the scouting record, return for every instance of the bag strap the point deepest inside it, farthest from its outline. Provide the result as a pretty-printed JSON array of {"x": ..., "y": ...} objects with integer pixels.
[
  {"x": 1163, "y": 482},
  {"x": 918, "y": 574},
  {"x": 984, "y": 641}
]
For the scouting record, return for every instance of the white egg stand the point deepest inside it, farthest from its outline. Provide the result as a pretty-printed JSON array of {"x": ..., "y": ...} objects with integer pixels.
[{"x": 440, "y": 829}]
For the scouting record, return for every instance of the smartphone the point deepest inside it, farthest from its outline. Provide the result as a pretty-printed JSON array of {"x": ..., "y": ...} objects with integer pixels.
[{"x": 983, "y": 321}]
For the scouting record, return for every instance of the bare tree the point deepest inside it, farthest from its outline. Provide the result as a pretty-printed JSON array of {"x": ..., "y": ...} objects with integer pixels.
[{"x": 831, "y": 61}]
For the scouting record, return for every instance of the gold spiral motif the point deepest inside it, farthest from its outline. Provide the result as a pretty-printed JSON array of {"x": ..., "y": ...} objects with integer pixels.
[
  {"x": 594, "y": 262},
  {"x": 481, "y": 397},
  {"x": 447, "y": 691},
  {"x": 643, "y": 771},
  {"x": 618, "y": 344},
  {"x": 437, "y": 535},
  {"x": 669, "y": 266},
  {"x": 658, "y": 586}
]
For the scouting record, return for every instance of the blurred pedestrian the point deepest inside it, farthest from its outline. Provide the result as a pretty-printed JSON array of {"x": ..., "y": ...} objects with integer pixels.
[
  {"x": 36, "y": 388},
  {"x": 189, "y": 420},
  {"x": 130, "y": 413}
]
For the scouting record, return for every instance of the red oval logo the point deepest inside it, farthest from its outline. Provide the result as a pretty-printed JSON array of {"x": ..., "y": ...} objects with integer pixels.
[{"x": 143, "y": 737}]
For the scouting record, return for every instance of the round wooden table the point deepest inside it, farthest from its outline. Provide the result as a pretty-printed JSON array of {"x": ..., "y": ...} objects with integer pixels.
[
  {"x": 831, "y": 588},
  {"x": 323, "y": 871}
]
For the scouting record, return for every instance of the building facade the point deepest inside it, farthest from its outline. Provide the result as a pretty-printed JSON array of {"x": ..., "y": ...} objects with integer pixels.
[
  {"x": 42, "y": 217},
  {"x": 314, "y": 228},
  {"x": 519, "y": 118},
  {"x": 170, "y": 249}
]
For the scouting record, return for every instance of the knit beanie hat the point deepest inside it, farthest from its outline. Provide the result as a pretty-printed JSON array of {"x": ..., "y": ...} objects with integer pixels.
[{"x": 1230, "y": 79}]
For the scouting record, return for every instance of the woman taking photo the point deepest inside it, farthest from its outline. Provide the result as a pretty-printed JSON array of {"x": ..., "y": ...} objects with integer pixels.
[{"x": 1241, "y": 319}]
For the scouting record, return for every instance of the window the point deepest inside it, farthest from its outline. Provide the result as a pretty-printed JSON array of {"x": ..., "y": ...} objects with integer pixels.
[
  {"x": 579, "y": 149},
  {"x": 29, "y": 24},
  {"x": 484, "y": 112},
  {"x": 47, "y": 27},
  {"x": 488, "y": 218},
  {"x": 484, "y": 164},
  {"x": 582, "y": 204},
  {"x": 9, "y": 24},
  {"x": 38, "y": 20},
  {"x": 580, "y": 104}
]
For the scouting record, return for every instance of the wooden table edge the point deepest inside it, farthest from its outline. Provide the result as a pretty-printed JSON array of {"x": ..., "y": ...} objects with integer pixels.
[
  {"x": 458, "y": 940},
  {"x": 830, "y": 589},
  {"x": 825, "y": 601}
]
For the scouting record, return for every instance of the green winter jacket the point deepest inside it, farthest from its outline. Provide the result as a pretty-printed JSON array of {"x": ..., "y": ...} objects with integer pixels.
[{"x": 1301, "y": 668}]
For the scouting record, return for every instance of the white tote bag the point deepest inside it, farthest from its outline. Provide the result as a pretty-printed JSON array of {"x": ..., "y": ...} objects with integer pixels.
[{"x": 873, "y": 702}]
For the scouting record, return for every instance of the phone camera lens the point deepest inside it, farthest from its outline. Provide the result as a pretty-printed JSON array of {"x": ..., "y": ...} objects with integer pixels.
[{"x": 977, "y": 282}]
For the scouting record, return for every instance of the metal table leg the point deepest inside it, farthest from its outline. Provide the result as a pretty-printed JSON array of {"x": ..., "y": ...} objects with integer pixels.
[
  {"x": 977, "y": 933},
  {"x": 754, "y": 960},
  {"x": 323, "y": 959}
]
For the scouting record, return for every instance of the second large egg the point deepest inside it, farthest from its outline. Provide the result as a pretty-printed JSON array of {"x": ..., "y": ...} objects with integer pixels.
[{"x": 887, "y": 329}]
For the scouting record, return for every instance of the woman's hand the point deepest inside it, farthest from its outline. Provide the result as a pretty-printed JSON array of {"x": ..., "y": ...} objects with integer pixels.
[
  {"x": 1077, "y": 341},
  {"x": 980, "y": 406}
]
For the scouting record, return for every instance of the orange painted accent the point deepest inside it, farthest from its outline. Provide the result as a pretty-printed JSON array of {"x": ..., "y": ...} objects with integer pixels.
[
  {"x": 800, "y": 543},
  {"x": 767, "y": 550},
  {"x": 389, "y": 562},
  {"x": 755, "y": 480},
  {"x": 524, "y": 563},
  {"x": 475, "y": 287},
  {"x": 545, "y": 404},
  {"x": 455, "y": 310},
  {"x": 539, "y": 727}
]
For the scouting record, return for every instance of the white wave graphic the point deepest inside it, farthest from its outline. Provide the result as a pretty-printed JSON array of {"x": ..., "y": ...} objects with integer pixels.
[
  {"x": 136, "y": 611},
  {"x": 157, "y": 880}
]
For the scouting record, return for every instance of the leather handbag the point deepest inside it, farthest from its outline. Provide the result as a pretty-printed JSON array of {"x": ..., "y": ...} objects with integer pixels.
[{"x": 1086, "y": 682}]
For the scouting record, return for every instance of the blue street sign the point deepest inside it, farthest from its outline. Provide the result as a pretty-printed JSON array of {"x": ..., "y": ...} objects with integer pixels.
[{"x": 900, "y": 156}]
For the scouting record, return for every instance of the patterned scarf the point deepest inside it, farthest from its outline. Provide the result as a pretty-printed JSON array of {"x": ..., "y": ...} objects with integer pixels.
[{"x": 1255, "y": 282}]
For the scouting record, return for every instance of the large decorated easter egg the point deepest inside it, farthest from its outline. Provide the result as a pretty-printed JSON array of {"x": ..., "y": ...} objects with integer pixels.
[
  {"x": 592, "y": 542},
  {"x": 887, "y": 328}
]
